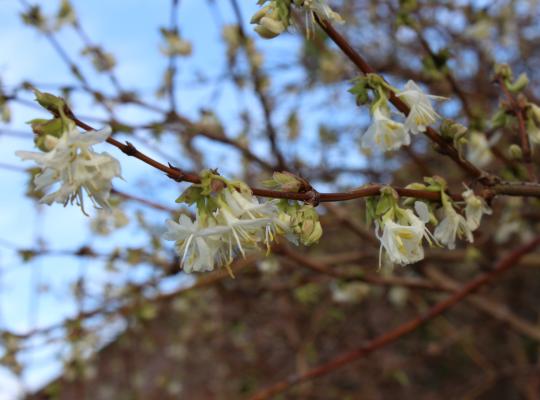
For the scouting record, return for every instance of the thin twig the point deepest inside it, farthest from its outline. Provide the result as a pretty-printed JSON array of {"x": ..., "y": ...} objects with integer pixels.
[{"x": 513, "y": 189}]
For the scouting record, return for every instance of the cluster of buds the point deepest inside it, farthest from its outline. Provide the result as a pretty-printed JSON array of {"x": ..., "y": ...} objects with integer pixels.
[
  {"x": 505, "y": 117},
  {"x": 275, "y": 17}
]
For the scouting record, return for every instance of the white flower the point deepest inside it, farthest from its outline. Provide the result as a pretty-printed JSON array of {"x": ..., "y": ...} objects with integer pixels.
[
  {"x": 474, "y": 209},
  {"x": 480, "y": 30},
  {"x": 255, "y": 221},
  {"x": 478, "y": 149},
  {"x": 242, "y": 232},
  {"x": 453, "y": 225},
  {"x": 421, "y": 112},
  {"x": 349, "y": 292},
  {"x": 247, "y": 206},
  {"x": 196, "y": 246},
  {"x": 71, "y": 166},
  {"x": 384, "y": 133},
  {"x": 215, "y": 238},
  {"x": 403, "y": 242}
]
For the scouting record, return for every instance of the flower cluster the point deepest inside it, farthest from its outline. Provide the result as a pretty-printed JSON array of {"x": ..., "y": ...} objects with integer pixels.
[
  {"x": 275, "y": 17},
  {"x": 387, "y": 134},
  {"x": 230, "y": 221},
  {"x": 404, "y": 230},
  {"x": 70, "y": 166},
  {"x": 403, "y": 233}
]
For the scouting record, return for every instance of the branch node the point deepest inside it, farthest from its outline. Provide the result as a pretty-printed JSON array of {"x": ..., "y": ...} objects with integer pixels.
[
  {"x": 313, "y": 197},
  {"x": 176, "y": 174},
  {"x": 129, "y": 149}
]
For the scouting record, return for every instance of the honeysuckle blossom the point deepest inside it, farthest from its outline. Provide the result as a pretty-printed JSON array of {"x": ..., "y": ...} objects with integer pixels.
[
  {"x": 196, "y": 246},
  {"x": 238, "y": 224},
  {"x": 421, "y": 113},
  {"x": 71, "y": 167},
  {"x": 474, "y": 209},
  {"x": 453, "y": 226},
  {"x": 478, "y": 149},
  {"x": 384, "y": 133},
  {"x": 402, "y": 237}
]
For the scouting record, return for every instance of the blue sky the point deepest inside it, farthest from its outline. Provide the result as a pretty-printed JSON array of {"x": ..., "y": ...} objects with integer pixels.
[{"x": 129, "y": 29}]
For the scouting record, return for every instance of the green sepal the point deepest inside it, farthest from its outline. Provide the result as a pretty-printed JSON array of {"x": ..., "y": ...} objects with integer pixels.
[
  {"x": 383, "y": 205},
  {"x": 371, "y": 206},
  {"x": 360, "y": 90},
  {"x": 54, "y": 127},
  {"x": 50, "y": 102},
  {"x": 191, "y": 195}
]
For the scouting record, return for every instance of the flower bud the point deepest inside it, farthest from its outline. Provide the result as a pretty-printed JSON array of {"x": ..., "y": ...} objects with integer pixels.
[
  {"x": 519, "y": 84},
  {"x": 273, "y": 25},
  {"x": 50, "y": 142},
  {"x": 265, "y": 33},
  {"x": 504, "y": 72},
  {"x": 515, "y": 152},
  {"x": 259, "y": 15}
]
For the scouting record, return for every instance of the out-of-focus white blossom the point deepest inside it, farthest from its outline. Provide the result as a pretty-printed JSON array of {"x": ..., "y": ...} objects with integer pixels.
[
  {"x": 196, "y": 246},
  {"x": 349, "y": 292},
  {"x": 421, "y": 112},
  {"x": 478, "y": 149},
  {"x": 480, "y": 30},
  {"x": 71, "y": 167},
  {"x": 474, "y": 209},
  {"x": 453, "y": 226}
]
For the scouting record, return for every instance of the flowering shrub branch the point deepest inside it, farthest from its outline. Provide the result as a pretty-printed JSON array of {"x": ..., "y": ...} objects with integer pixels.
[{"x": 420, "y": 210}]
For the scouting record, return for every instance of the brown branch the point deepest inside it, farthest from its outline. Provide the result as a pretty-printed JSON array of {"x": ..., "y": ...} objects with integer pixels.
[
  {"x": 511, "y": 260},
  {"x": 495, "y": 309},
  {"x": 517, "y": 189},
  {"x": 181, "y": 176},
  {"x": 317, "y": 266},
  {"x": 143, "y": 201}
]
